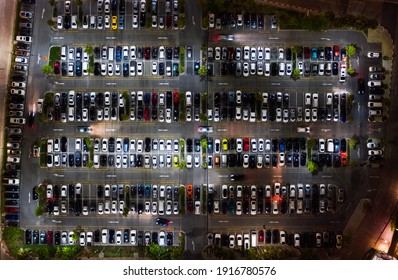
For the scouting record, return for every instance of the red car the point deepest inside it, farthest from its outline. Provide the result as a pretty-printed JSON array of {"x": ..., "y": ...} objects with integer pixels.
[
  {"x": 344, "y": 159},
  {"x": 336, "y": 52},
  {"x": 50, "y": 237},
  {"x": 146, "y": 114},
  {"x": 261, "y": 236},
  {"x": 147, "y": 53},
  {"x": 154, "y": 99},
  {"x": 190, "y": 206},
  {"x": 175, "y": 97},
  {"x": 307, "y": 53},
  {"x": 57, "y": 69},
  {"x": 246, "y": 144}
]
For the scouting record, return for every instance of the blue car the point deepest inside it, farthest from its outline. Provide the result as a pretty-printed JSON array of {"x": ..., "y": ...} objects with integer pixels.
[
  {"x": 147, "y": 191},
  {"x": 121, "y": 22},
  {"x": 314, "y": 53}
]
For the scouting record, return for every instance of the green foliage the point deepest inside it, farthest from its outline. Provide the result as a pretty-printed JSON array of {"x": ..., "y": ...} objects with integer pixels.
[
  {"x": 89, "y": 49},
  {"x": 310, "y": 143},
  {"x": 203, "y": 102},
  {"x": 297, "y": 49},
  {"x": 48, "y": 101},
  {"x": 182, "y": 164},
  {"x": 47, "y": 69},
  {"x": 296, "y": 20},
  {"x": 181, "y": 68},
  {"x": 351, "y": 50},
  {"x": 68, "y": 252},
  {"x": 202, "y": 71},
  {"x": 181, "y": 22},
  {"x": 51, "y": 22},
  {"x": 12, "y": 235},
  {"x": 55, "y": 54},
  {"x": 205, "y": 21},
  {"x": 352, "y": 143},
  {"x": 296, "y": 74},
  {"x": 51, "y": 2},
  {"x": 39, "y": 211},
  {"x": 79, "y": 2},
  {"x": 203, "y": 117},
  {"x": 312, "y": 167},
  {"x": 351, "y": 71},
  {"x": 124, "y": 117}
]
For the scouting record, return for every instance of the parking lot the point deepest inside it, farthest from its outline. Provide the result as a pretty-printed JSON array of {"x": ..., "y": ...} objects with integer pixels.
[{"x": 127, "y": 131}]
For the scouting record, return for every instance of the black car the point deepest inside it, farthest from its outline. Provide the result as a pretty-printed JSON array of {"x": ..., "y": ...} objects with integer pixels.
[
  {"x": 161, "y": 68},
  {"x": 361, "y": 86},
  {"x": 28, "y": 236},
  {"x": 19, "y": 78},
  {"x": 162, "y": 222},
  {"x": 335, "y": 68},
  {"x": 196, "y": 67},
  {"x": 67, "y": 22},
  {"x": 169, "y": 239},
  {"x": 57, "y": 238}
]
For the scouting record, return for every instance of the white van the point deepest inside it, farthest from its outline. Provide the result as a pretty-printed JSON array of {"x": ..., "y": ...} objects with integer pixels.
[
  {"x": 63, "y": 53},
  {"x": 209, "y": 114},
  {"x": 330, "y": 146},
  {"x": 188, "y": 95},
  {"x": 71, "y": 114},
  {"x": 96, "y": 160},
  {"x": 375, "y": 104},
  {"x": 161, "y": 207},
  {"x": 253, "y": 237},
  {"x": 224, "y": 160},
  {"x": 111, "y": 53},
  {"x": 26, "y": 39}
]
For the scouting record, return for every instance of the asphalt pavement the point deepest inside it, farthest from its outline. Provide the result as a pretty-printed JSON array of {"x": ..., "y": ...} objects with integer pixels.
[{"x": 357, "y": 181}]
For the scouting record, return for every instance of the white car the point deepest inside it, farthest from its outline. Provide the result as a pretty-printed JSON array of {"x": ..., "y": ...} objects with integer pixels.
[
  {"x": 59, "y": 22},
  {"x": 140, "y": 68},
  {"x": 374, "y": 83},
  {"x": 374, "y": 54}
]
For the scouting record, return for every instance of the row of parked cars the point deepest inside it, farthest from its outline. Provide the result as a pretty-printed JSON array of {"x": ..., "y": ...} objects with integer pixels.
[
  {"x": 20, "y": 69},
  {"x": 101, "y": 237},
  {"x": 251, "y": 21},
  {"x": 277, "y": 198},
  {"x": 376, "y": 92},
  {"x": 276, "y": 106},
  {"x": 16, "y": 116},
  {"x": 375, "y": 152},
  {"x": 261, "y": 237},
  {"x": 272, "y": 61},
  {"x": 112, "y": 15}
]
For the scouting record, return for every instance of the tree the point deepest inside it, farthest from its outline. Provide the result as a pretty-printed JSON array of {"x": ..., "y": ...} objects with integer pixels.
[
  {"x": 351, "y": 50},
  {"x": 47, "y": 69},
  {"x": 351, "y": 71},
  {"x": 202, "y": 71},
  {"x": 52, "y": 2},
  {"x": 50, "y": 22},
  {"x": 296, "y": 74},
  {"x": 79, "y": 2},
  {"x": 352, "y": 143},
  {"x": 89, "y": 49},
  {"x": 312, "y": 167}
]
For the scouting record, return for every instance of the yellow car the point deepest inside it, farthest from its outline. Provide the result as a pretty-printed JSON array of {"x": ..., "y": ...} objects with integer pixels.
[
  {"x": 114, "y": 22},
  {"x": 175, "y": 161},
  {"x": 225, "y": 144}
]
